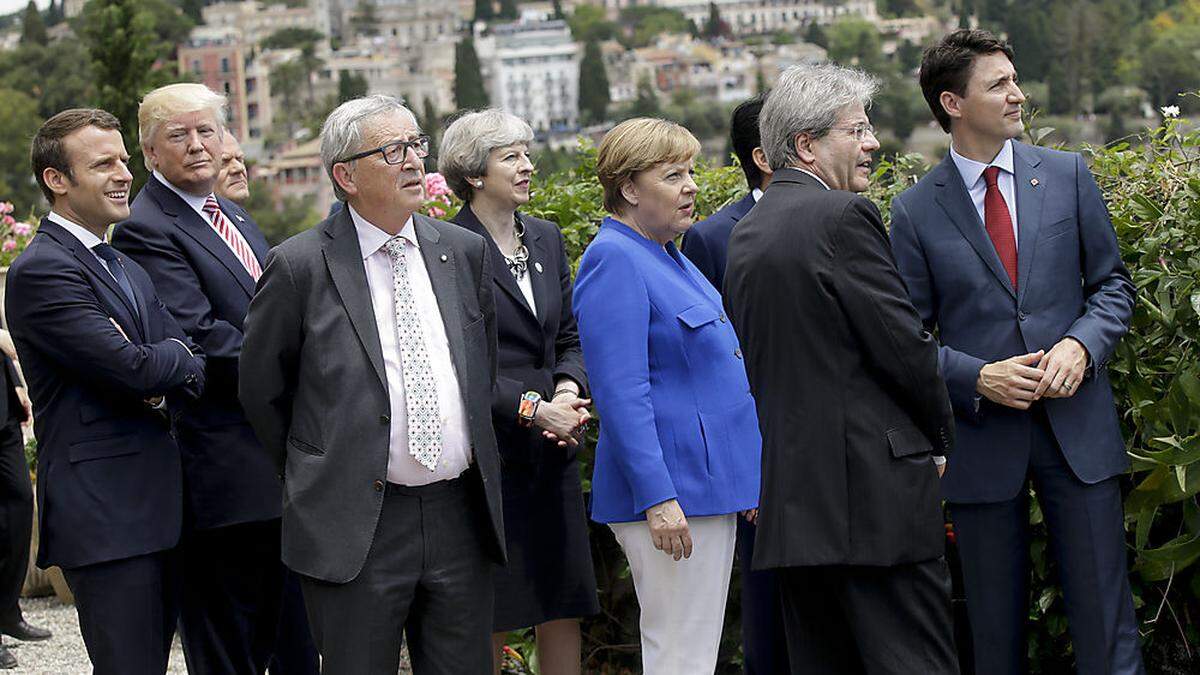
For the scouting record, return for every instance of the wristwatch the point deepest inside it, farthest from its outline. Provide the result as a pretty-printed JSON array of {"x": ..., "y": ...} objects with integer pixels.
[{"x": 528, "y": 408}]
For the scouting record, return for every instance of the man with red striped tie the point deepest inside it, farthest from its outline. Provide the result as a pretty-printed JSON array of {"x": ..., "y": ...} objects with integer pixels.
[{"x": 205, "y": 255}]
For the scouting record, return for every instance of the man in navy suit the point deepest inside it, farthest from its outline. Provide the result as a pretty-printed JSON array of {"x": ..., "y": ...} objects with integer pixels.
[
  {"x": 104, "y": 361},
  {"x": 1007, "y": 250},
  {"x": 205, "y": 254},
  {"x": 706, "y": 245}
]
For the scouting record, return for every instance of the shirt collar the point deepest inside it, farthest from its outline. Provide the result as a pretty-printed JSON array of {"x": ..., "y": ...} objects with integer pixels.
[
  {"x": 757, "y": 193},
  {"x": 371, "y": 238},
  {"x": 84, "y": 235},
  {"x": 197, "y": 203},
  {"x": 823, "y": 183},
  {"x": 970, "y": 170}
]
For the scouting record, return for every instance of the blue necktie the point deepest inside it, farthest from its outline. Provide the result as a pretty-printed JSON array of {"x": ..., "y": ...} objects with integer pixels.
[{"x": 117, "y": 269}]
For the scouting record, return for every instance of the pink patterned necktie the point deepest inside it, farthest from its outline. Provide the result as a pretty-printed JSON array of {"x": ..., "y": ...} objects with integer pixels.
[{"x": 232, "y": 237}]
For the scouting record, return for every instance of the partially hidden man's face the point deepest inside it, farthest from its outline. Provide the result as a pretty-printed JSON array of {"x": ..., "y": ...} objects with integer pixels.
[
  {"x": 991, "y": 108},
  {"x": 842, "y": 159},
  {"x": 232, "y": 182},
  {"x": 378, "y": 185},
  {"x": 96, "y": 194},
  {"x": 186, "y": 150}
]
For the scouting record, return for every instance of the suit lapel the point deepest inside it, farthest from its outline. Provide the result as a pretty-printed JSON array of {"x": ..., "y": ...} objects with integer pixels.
[
  {"x": 540, "y": 272},
  {"x": 1030, "y": 189},
  {"x": 249, "y": 229},
  {"x": 123, "y": 312},
  {"x": 500, "y": 273},
  {"x": 202, "y": 231},
  {"x": 954, "y": 199},
  {"x": 344, "y": 259},
  {"x": 441, "y": 266}
]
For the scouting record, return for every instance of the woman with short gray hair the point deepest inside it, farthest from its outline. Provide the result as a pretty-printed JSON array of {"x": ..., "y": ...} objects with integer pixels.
[{"x": 538, "y": 410}]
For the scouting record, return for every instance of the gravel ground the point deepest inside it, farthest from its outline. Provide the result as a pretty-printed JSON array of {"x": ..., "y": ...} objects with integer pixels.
[{"x": 64, "y": 653}]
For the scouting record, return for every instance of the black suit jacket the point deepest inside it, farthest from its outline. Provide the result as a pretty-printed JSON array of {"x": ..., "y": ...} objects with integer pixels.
[
  {"x": 845, "y": 378},
  {"x": 535, "y": 349},
  {"x": 109, "y": 476},
  {"x": 10, "y": 406},
  {"x": 706, "y": 244},
  {"x": 227, "y": 477},
  {"x": 314, "y": 386}
]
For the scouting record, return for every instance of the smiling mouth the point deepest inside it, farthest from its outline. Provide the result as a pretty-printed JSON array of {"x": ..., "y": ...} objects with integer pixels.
[{"x": 117, "y": 195}]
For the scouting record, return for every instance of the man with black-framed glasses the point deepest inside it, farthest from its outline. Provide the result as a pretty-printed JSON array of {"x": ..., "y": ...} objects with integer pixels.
[{"x": 367, "y": 372}]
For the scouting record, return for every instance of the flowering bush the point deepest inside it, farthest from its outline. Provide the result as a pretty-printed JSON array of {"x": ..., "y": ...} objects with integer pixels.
[
  {"x": 14, "y": 235},
  {"x": 439, "y": 200}
]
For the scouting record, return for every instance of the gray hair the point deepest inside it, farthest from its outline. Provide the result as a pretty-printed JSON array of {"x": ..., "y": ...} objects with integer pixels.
[
  {"x": 342, "y": 133},
  {"x": 808, "y": 100},
  {"x": 468, "y": 140}
]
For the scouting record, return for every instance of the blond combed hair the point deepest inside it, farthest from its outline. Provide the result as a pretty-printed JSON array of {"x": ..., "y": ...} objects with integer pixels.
[
  {"x": 171, "y": 101},
  {"x": 636, "y": 145}
]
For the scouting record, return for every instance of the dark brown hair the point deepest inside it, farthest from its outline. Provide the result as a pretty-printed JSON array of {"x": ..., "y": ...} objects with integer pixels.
[
  {"x": 48, "y": 152},
  {"x": 947, "y": 65}
]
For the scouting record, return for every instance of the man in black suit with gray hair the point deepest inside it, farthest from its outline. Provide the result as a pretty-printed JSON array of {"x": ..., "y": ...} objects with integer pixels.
[{"x": 367, "y": 371}]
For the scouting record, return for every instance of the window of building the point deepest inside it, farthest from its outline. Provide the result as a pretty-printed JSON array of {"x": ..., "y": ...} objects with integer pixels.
[{"x": 224, "y": 64}]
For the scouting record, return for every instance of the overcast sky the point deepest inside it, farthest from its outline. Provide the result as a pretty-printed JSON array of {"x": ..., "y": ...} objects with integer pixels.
[{"x": 10, "y": 6}]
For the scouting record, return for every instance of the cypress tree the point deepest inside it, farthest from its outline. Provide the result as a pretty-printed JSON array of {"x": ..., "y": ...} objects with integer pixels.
[
  {"x": 593, "y": 84},
  {"x": 508, "y": 9},
  {"x": 469, "y": 91},
  {"x": 33, "y": 29},
  {"x": 484, "y": 11}
]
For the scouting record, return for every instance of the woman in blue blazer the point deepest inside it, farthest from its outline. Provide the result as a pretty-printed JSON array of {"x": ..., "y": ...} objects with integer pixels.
[{"x": 678, "y": 455}]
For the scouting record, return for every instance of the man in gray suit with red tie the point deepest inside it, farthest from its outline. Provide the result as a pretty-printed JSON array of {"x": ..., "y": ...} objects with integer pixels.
[
  {"x": 1007, "y": 250},
  {"x": 367, "y": 371}
]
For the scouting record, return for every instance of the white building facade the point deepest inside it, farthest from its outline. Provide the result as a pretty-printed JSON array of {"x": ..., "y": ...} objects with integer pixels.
[{"x": 532, "y": 70}]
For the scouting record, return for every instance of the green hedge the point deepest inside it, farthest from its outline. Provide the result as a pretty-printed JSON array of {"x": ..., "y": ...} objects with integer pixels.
[{"x": 1152, "y": 187}]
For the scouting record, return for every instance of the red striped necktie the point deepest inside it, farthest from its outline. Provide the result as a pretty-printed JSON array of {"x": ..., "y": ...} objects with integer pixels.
[
  {"x": 998, "y": 222},
  {"x": 232, "y": 238}
]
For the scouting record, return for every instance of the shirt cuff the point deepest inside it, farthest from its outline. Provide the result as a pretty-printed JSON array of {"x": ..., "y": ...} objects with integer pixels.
[{"x": 939, "y": 460}]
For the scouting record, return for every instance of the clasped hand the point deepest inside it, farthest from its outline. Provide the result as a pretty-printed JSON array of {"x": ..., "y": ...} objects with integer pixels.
[
  {"x": 1018, "y": 381},
  {"x": 563, "y": 418}
]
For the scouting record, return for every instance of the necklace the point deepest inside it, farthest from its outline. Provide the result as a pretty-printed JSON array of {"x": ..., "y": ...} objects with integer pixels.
[{"x": 518, "y": 262}]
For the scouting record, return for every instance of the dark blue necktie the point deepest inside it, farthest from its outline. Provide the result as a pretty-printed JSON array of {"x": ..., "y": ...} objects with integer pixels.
[{"x": 109, "y": 255}]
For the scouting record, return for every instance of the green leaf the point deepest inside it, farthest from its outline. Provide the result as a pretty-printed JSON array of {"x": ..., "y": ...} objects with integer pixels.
[{"x": 1160, "y": 563}]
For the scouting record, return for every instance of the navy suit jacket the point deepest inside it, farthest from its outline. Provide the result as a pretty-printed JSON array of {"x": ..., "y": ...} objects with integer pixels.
[
  {"x": 707, "y": 243},
  {"x": 677, "y": 417},
  {"x": 229, "y": 479},
  {"x": 1070, "y": 282},
  {"x": 109, "y": 476}
]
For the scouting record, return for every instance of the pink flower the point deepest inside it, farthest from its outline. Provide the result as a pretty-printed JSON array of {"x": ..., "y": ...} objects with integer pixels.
[
  {"x": 6, "y": 207},
  {"x": 22, "y": 229},
  {"x": 435, "y": 185},
  {"x": 9, "y": 245},
  {"x": 436, "y": 212},
  {"x": 8, "y": 220}
]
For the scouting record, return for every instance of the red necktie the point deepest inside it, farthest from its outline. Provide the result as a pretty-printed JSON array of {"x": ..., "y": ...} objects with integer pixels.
[
  {"x": 232, "y": 238},
  {"x": 998, "y": 222}
]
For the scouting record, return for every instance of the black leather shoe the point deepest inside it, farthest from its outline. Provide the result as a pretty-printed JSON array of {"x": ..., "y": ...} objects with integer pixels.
[
  {"x": 24, "y": 632},
  {"x": 7, "y": 660}
]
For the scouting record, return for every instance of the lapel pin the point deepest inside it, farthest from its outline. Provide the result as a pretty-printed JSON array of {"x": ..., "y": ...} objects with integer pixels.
[
  {"x": 240, "y": 219},
  {"x": 538, "y": 266},
  {"x": 444, "y": 258},
  {"x": 1033, "y": 182}
]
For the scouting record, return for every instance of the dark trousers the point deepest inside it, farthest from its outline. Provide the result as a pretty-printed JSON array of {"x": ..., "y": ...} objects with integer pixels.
[
  {"x": 295, "y": 652},
  {"x": 127, "y": 612},
  {"x": 230, "y": 604},
  {"x": 846, "y": 619},
  {"x": 427, "y": 577},
  {"x": 16, "y": 521},
  {"x": 1087, "y": 540},
  {"x": 764, "y": 645}
]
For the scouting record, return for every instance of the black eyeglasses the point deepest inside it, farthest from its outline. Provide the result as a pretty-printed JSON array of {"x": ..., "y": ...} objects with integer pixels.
[{"x": 396, "y": 151}]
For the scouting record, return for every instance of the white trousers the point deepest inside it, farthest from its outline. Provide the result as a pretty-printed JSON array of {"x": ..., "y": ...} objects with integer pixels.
[{"x": 683, "y": 603}]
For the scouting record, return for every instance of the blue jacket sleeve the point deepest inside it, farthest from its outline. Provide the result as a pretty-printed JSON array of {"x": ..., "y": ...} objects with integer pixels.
[
  {"x": 959, "y": 369},
  {"x": 613, "y": 310},
  {"x": 1109, "y": 291}
]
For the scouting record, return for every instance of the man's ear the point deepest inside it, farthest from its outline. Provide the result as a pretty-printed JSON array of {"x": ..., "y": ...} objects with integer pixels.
[
  {"x": 952, "y": 104},
  {"x": 56, "y": 180},
  {"x": 345, "y": 178},
  {"x": 803, "y": 147},
  {"x": 629, "y": 192},
  {"x": 760, "y": 160}
]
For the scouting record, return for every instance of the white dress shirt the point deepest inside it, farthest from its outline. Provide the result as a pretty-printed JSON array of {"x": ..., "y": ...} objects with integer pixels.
[
  {"x": 197, "y": 204},
  {"x": 456, "y": 444},
  {"x": 972, "y": 176},
  {"x": 84, "y": 235}
]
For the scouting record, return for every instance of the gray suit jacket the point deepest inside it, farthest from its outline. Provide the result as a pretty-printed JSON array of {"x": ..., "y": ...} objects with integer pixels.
[{"x": 313, "y": 385}]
